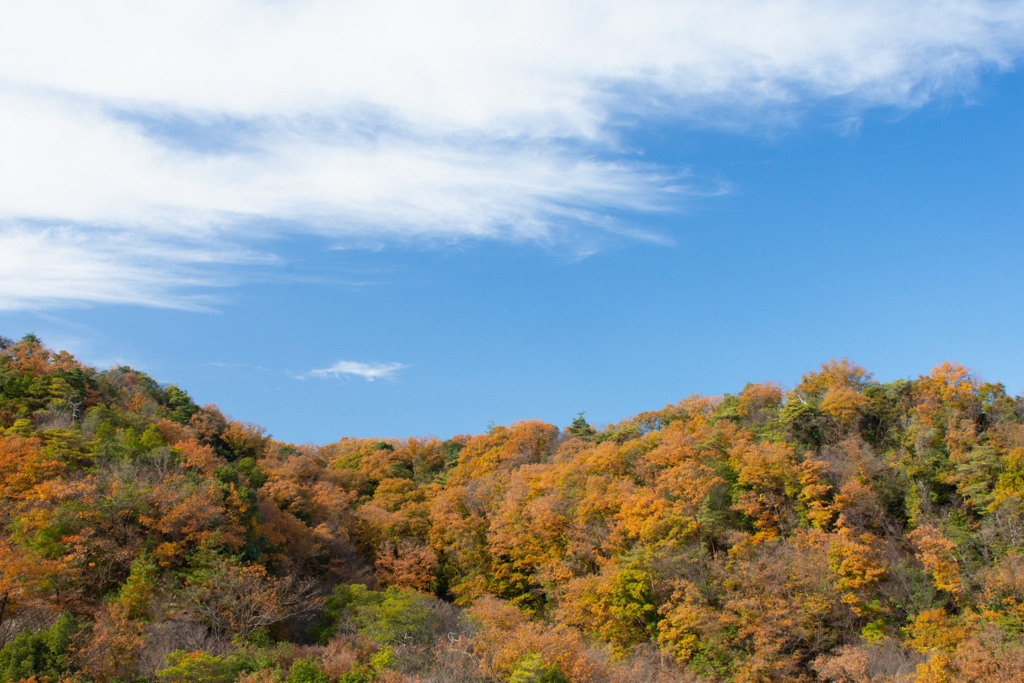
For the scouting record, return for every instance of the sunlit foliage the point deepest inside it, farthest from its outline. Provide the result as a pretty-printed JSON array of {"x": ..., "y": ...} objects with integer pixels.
[{"x": 845, "y": 530}]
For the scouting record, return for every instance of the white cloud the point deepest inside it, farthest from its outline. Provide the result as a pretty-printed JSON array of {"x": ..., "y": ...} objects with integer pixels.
[
  {"x": 94, "y": 170},
  {"x": 368, "y": 371},
  {"x": 142, "y": 140},
  {"x": 41, "y": 267},
  {"x": 525, "y": 66}
]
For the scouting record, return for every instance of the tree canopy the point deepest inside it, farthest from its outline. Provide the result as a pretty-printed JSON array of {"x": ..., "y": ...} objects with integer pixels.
[{"x": 843, "y": 530}]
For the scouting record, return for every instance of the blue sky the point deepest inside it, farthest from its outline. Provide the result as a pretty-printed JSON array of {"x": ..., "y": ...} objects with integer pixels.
[{"x": 379, "y": 220}]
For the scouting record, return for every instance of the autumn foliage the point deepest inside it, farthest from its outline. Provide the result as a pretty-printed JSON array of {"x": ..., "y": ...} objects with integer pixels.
[{"x": 845, "y": 530}]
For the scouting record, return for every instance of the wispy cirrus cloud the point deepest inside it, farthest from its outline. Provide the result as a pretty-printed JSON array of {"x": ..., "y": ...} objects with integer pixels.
[
  {"x": 368, "y": 371},
  {"x": 145, "y": 141},
  {"x": 43, "y": 266}
]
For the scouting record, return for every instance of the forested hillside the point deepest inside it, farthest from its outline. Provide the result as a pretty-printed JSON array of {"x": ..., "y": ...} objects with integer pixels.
[{"x": 844, "y": 530}]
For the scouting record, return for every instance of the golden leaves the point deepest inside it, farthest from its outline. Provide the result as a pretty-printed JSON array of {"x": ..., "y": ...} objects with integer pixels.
[
  {"x": 857, "y": 565},
  {"x": 935, "y": 552}
]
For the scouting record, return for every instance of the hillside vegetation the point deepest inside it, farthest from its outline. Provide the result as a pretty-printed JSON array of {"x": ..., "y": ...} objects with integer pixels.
[{"x": 845, "y": 530}]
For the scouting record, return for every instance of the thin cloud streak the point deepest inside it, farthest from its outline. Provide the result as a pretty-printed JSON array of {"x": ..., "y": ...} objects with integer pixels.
[
  {"x": 144, "y": 143},
  {"x": 70, "y": 265},
  {"x": 368, "y": 371}
]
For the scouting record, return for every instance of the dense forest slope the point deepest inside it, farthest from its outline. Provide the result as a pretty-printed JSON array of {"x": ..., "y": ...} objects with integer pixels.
[{"x": 843, "y": 531}]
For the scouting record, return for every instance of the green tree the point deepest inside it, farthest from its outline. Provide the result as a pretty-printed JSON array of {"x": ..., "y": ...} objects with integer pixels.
[
  {"x": 42, "y": 654},
  {"x": 531, "y": 669},
  {"x": 396, "y": 616},
  {"x": 307, "y": 670},
  {"x": 199, "y": 667},
  {"x": 580, "y": 429}
]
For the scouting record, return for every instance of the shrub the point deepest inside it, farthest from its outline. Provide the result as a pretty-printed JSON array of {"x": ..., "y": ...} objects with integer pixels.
[
  {"x": 307, "y": 670},
  {"x": 42, "y": 655},
  {"x": 397, "y": 616},
  {"x": 531, "y": 669},
  {"x": 199, "y": 667},
  {"x": 336, "y": 605}
]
